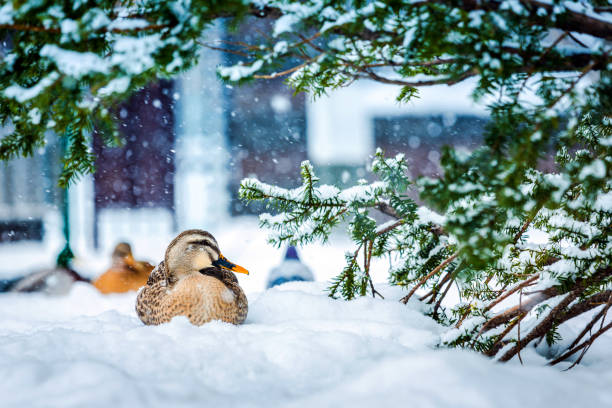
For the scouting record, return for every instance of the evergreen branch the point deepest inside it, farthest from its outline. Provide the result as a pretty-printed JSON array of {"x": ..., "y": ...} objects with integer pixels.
[
  {"x": 531, "y": 70},
  {"x": 576, "y": 40},
  {"x": 24, "y": 27},
  {"x": 586, "y": 305},
  {"x": 464, "y": 316},
  {"x": 585, "y": 344},
  {"x": 432, "y": 293},
  {"x": 525, "y": 225},
  {"x": 285, "y": 72},
  {"x": 518, "y": 330},
  {"x": 556, "y": 313},
  {"x": 525, "y": 283},
  {"x": 421, "y": 282},
  {"x": 367, "y": 260},
  {"x": 439, "y": 302},
  {"x": 390, "y": 227},
  {"x": 387, "y": 209},
  {"x": 308, "y": 41},
  {"x": 571, "y": 21},
  {"x": 585, "y": 71},
  {"x": 512, "y": 312},
  {"x": 524, "y": 307},
  {"x": 347, "y": 273},
  {"x": 226, "y": 50},
  {"x": 544, "y": 325},
  {"x": 499, "y": 342},
  {"x": 255, "y": 10},
  {"x": 416, "y": 84},
  {"x": 55, "y": 30}
]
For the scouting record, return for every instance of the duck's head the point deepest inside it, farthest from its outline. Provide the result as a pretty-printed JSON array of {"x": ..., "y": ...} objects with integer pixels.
[
  {"x": 196, "y": 250},
  {"x": 122, "y": 254}
]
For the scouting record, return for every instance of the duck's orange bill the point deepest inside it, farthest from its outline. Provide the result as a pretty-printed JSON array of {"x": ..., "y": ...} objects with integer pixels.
[
  {"x": 222, "y": 262},
  {"x": 240, "y": 269}
]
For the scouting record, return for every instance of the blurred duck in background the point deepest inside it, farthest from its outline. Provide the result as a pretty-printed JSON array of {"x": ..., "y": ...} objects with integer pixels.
[
  {"x": 125, "y": 273},
  {"x": 52, "y": 281},
  {"x": 291, "y": 269}
]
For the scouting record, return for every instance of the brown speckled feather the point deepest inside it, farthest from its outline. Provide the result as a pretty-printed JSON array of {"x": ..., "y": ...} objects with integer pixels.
[{"x": 201, "y": 296}]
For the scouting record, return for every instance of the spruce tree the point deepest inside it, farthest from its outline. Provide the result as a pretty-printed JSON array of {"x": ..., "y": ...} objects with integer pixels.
[{"x": 541, "y": 67}]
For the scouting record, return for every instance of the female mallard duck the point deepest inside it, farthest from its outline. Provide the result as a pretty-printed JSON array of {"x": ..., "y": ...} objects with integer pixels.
[
  {"x": 193, "y": 280},
  {"x": 125, "y": 273}
]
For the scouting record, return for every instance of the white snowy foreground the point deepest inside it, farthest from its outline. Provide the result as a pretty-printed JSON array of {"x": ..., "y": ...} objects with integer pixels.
[{"x": 298, "y": 348}]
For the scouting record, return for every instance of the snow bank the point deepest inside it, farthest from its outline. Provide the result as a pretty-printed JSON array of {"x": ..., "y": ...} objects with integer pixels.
[{"x": 298, "y": 348}]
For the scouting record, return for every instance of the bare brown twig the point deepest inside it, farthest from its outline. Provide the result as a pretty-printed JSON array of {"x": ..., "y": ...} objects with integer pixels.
[
  {"x": 500, "y": 342},
  {"x": 586, "y": 343},
  {"x": 556, "y": 314},
  {"x": 282, "y": 73},
  {"x": 429, "y": 275},
  {"x": 439, "y": 302},
  {"x": 367, "y": 261},
  {"x": 527, "y": 282},
  {"x": 435, "y": 290},
  {"x": 387, "y": 209},
  {"x": 593, "y": 337},
  {"x": 416, "y": 84},
  {"x": 390, "y": 227},
  {"x": 235, "y": 52},
  {"x": 602, "y": 314},
  {"x": 518, "y": 329}
]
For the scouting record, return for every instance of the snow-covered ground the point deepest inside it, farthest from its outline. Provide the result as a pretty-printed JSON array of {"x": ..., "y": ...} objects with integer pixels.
[{"x": 297, "y": 348}]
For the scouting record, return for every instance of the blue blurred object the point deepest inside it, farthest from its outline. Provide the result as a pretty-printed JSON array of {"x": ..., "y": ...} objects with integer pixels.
[
  {"x": 291, "y": 269},
  {"x": 292, "y": 253}
]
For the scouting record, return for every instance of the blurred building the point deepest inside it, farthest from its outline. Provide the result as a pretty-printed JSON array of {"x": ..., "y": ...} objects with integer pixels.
[
  {"x": 345, "y": 128},
  {"x": 29, "y": 194},
  {"x": 134, "y": 183},
  {"x": 188, "y": 143}
]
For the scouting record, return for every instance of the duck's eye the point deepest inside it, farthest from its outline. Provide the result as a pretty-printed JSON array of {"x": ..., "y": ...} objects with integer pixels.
[{"x": 202, "y": 242}]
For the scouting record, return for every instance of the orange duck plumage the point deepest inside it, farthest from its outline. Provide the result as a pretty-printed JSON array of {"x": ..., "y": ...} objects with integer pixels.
[{"x": 125, "y": 274}]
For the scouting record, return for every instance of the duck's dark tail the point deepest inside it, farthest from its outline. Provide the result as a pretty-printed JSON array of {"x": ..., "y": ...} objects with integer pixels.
[
  {"x": 76, "y": 276},
  {"x": 7, "y": 284}
]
